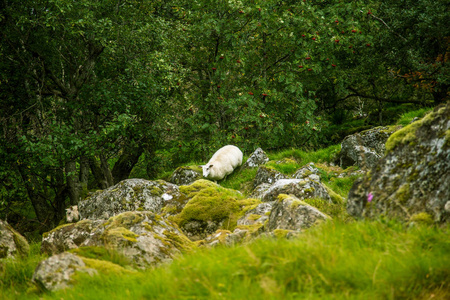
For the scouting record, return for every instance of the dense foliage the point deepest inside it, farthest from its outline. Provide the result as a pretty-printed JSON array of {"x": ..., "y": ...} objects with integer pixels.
[{"x": 90, "y": 87}]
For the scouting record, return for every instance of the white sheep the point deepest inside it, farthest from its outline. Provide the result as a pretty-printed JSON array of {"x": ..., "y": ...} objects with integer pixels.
[
  {"x": 223, "y": 162},
  {"x": 72, "y": 214}
]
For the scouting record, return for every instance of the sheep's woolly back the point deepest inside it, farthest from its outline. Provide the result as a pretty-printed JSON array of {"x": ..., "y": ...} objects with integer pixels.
[{"x": 223, "y": 162}]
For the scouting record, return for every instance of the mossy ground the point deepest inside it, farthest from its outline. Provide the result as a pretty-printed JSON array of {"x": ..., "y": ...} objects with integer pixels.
[{"x": 211, "y": 202}]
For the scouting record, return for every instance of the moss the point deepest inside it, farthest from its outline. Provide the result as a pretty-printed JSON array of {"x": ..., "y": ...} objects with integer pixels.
[
  {"x": 296, "y": 203},
  {"x": 422, "y": 218},
  {"x": 102, "y": 253},
  {"x": 407, "y": 135},
  {"x": 180, "y": 241},
  {"x": 156, "y": 191},
  {"x": 253, "y": 217},
  {"x": 106, "y": 267},
  {"x": 281, "y": 233},
  {"x": 211, "y": 202},
  {"x": 403, "y": 193},
  {"x": 282, "y": 197},
  {"x": 118, "y": 233},
  {"x": 21, "y": 243},
  {"x": 447, "y": 138},
  {"x": 126, "y": 219},
  {"x": 335, "y": 197}
]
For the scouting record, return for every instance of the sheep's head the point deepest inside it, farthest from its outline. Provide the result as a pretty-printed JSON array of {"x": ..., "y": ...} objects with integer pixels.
[
  {"x": 206, "y": 170},
  {"x": 72, "y": 214}
]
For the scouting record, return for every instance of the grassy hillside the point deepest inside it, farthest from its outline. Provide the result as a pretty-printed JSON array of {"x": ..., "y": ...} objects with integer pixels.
[{"x": 339, "y": 259}]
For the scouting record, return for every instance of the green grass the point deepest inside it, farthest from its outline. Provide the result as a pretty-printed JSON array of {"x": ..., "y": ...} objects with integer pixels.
[
  {"x": 303, "y": 157},
  {"x": 407, "y": 117},
  {"x": 358, "y": 260}
]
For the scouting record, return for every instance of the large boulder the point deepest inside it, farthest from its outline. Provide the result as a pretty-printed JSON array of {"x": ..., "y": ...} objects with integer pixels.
[
  {"x": 291, "y": 213},
  {"x": 301, "y": 188},
  {"x": 412, "y": 182},
  {"x": 12, "y": 243},
  {"x": 145, "y": 238},
  {"x": 131, "y": 195},
  {"x": 366, "y": 148}
]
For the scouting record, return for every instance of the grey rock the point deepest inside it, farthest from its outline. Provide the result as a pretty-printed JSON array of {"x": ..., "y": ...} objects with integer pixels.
[
  {"x": 145, "y": 238},
  {"x": 131, "y": 195},
  {"x": 56, "y": 272},
  {"x": 413, "y": 179},
  {"x": 12, "y": 243},
  {"x": 257, "y": 159},
  {"x": 185, "y": 175},
  {"x": 309, "y": 171},
  {"x": 258, "y": 215},
  {"x": 366, "y": 148},
  {"x": 301, "y": 188},
  {"x": 267, "y": 175},
  {"x": 290, "y": 213}
]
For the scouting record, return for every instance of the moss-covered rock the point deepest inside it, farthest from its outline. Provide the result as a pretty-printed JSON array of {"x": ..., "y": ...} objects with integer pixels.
[
  {"x": 291, "y": 213},
  {"x": 131, "y": 195},
  {"x": 414, "y": 176},
  {"x": 301, "y": 188},
  {"x": 12, "y": 243},
  {"x": 365, "y": 148},
  {"x": 144, "y": 238},
  {"x": 210, "y": 207},
  {"x": 61, "y": 271},
  {"x": 267, "y": 175}
]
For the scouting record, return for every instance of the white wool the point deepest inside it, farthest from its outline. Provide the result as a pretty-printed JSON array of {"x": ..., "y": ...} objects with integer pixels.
[
  {"x": 72, "y": 214},
  {"x": 223, "y": 162}
]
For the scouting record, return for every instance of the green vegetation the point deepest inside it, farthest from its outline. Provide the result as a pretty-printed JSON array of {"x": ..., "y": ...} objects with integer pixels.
[
  {"x": 211, "y": 202},
  {"x": 360, "y": 260},
  {"x": 406, "y": 118},
  {"x": 94, "y": 92}
]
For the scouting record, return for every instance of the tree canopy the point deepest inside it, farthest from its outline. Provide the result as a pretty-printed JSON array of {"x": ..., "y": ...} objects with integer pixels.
[{"x": 90, "y": 87}]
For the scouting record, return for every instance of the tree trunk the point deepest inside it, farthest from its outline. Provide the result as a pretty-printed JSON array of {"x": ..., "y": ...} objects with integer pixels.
[
  {"x": 126, "y": 162},
  {"x": 100, "y": 179},
  {"x": 45, "y": 213},
  {"x": 72, "y": 182}
]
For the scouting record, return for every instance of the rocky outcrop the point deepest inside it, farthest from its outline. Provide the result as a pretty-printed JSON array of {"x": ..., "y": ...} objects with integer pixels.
[
  {"x": 257, "y": 159},
  {"x": 301, "y": 188},
  {"x": 186, "y": 175},
  {"x": 366, "y": 148},
  {"x": 12, "y": 243},
  {"x": 131, "y": 195},
  {"x": 290, "y": 213},
  {"x": 144, "y": 237},
  {"x": 412, "y": 181}
]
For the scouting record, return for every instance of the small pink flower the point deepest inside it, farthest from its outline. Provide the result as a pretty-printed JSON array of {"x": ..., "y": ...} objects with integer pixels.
[{"x": 369, "y": 197}]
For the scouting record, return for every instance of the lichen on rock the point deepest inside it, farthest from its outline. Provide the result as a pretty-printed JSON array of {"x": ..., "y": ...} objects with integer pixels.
[
  {"x": 12, "y": 243},
  {"x": 130, "y": 195},
  {"x": 413, "y": 177}
]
